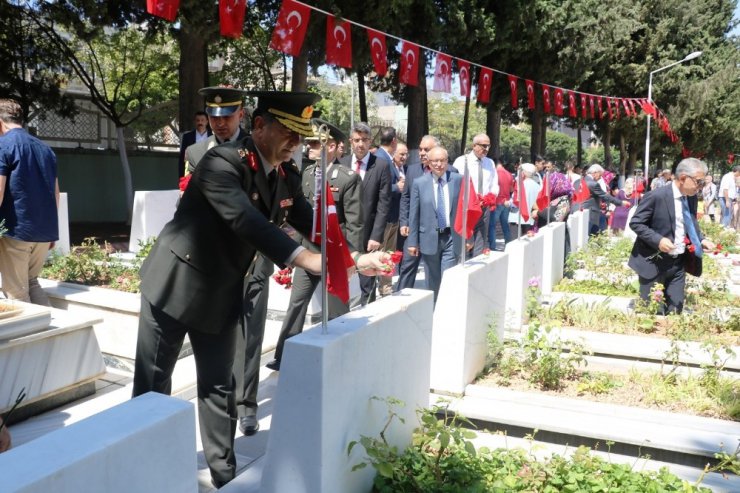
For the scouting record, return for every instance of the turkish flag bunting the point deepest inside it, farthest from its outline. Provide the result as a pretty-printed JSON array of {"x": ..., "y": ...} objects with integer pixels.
[
  {"x": 512, "y": 86},
  {"x": 338, "y": 43},
  {"x": 685, "y": 152},
  {"x": 166, "y": 9},
  {"x": 583, "y": 106},
  {"x": 543, "y": 197},
  {"x": 582, "y": 192},
  {"x": 464, "y": 68},
  {"x": 601, "y": 108},
  {"x": 484, "y": 85},
  {"x": 474, "y": 210},
  {"x": 530, "y": 93},
  {"x": 572, "y": 104},
  {"x": 626, "y": 106},
  {"x": 443, "y": 73},
  {"x": 290, "y": 28},
  {"x": 378, "y": 51},
  {"x": 632, "y": 107},
  {"x": 409, "y": 64},
  {"x": 231, "y": 14},
  {"x": 338, "y": 258},
  {"x": 558, "y": 101},
  {"x": 615, "y": 102},
  {"x": 592, "y": 104},
  {"x": 609, "y": 107},
  {"x": 546, "y": 98},
  {"x": 520, "y": 197}
]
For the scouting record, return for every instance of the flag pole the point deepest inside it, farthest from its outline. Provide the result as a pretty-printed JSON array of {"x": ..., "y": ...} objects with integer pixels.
[
  {"x": 323, "y": 138},
  {"x": 547, "y": 194},
  {"x": 519, "y": 186},
  {"x": 466, "y": 194}
]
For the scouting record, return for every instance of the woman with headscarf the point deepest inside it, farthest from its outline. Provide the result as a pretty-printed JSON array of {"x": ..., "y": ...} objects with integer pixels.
[{"x": 620, "y": 212}]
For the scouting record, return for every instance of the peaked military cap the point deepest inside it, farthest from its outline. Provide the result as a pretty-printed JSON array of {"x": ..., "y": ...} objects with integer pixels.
[
  {"x": 334, "y": 132},
  {"x": 222, "y": 101},
  {"x": 293, "y": 110}
]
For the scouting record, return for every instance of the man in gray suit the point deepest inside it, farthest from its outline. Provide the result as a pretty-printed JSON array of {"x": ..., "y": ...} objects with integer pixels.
[
  {"x": 225, "y": 110},
  {"x": 432, "y": 209}
]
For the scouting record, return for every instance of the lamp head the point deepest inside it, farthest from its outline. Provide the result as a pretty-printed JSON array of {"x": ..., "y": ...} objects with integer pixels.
[{"x": 691, "y": 56}]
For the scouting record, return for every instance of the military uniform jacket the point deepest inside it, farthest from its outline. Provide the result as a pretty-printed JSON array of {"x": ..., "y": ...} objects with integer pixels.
[
  {"x": 196, "y": 269},
  {"x": 194, "y": 153},
  {"x": 346, "y": 188}
]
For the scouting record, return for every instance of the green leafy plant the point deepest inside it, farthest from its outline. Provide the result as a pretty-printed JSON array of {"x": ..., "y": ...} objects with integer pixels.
[{"x": 442, "y": 458}]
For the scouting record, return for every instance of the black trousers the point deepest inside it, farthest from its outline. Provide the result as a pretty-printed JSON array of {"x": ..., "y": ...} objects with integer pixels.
[
  {"x": 407, "y": 271},
  {"x": 159, "y": 342},
  {"x": 367, "y": 289},
  {"x": 250, "y": 336},
  {"x": 673, "y": 279},
  {"x": 304, "y": 285}
]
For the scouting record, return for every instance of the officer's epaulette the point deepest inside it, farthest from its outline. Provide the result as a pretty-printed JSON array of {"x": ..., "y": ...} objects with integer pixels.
[{"x": 248, "y": 158}]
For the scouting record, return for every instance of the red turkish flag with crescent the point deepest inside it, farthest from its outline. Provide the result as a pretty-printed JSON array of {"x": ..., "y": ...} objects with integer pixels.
[
  {"x": 378, "y": 51},
  {"x": 546, "y": 98},
  {"x": 464, "y": 68},
  {"x": 530, "y": 93},
  {"x": 573, "y": 111},
  {"x": 601, "y": 108},
  {"x": 474, "y": 211},
  {"x": 592, "y": 104},
  {"x": 484, "y": 85},
  {"x": 519, "y": 197},
  {"x": 443, "y": 73},
  {"x": 409, "y": 64},
  {"x": 338, "y": 258},
  {"x": 647, "y": 107},
  {"x": 626, "y": 106},
  {"x": 338, "y": 43},
  {"x": 166, "y": 9},
  {"x": 583, "y": 106},
  {"x": 512, "y": 86},
  {"x": 231, "y": 16},
  {"x": 290, "y": 28},
  {"x": 558, "y": 101}
]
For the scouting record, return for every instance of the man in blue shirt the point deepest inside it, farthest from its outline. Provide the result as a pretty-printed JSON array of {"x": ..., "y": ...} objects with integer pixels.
[{"x": 29, "y": 197}]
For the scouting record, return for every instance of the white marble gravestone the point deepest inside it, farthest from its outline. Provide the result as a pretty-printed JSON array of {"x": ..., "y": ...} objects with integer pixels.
[
  {"x": 324, "y": 398},
  {"x": 553, "y": 260},
  {"x": 471, "y": 301},
  {"x": 525, "y": 263},
  {"x": 152, "y": 210}
]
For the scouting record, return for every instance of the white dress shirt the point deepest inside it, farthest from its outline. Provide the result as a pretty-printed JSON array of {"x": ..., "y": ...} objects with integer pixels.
[
  {"x": 490, "y": 176},
  {"x": 680, "y": 230}
]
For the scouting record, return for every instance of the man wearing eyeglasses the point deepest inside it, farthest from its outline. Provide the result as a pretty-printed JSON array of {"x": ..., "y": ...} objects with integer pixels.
[
  {"x": 485, "y": 180},
  {"x": 669, "y": 242}
]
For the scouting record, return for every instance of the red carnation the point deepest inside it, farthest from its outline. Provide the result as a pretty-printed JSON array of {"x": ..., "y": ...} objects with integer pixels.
[
  {"x": 284, "y": 277},
  {"x": 184, "y": 182},
  {"x": 396, "y": 256},
  {"x": 487, "y": 200}
]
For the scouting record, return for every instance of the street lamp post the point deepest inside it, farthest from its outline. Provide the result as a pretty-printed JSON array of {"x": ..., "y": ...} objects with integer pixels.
[{"x": 690, "y": 56}]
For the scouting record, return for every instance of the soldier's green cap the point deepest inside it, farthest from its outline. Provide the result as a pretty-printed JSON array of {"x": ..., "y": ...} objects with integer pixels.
[
  {"x": 334, "y": 132},
  {"x": 292, "y": 109},
  {"x": 222, "y": 101}
]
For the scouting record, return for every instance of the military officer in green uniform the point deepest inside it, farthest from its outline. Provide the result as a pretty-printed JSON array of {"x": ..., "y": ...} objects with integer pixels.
[
  {"x": 192, "y": 281},
  {"x": 346, "y": 188},
  {"x": 225, "y": 109}
]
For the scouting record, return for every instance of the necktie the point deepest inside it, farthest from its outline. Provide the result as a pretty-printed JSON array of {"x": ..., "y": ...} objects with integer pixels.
[
  {"x": 479, "y": 190},
  {"x": 441, "y": 212},
  {"x": 358, "y": 165},
  {"x": 272, "y": 180},
  {"x": 688, "y": 225}
]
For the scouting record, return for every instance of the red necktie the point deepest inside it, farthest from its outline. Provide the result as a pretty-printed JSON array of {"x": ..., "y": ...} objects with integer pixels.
[{"x": 358, "y": 165}]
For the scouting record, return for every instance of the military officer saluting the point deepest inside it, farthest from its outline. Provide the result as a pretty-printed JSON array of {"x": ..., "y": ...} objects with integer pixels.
[
  {"x": 192, "y": 281},
  {"x": 225, "y": 109},
  {"x": 346, "y": 188}
]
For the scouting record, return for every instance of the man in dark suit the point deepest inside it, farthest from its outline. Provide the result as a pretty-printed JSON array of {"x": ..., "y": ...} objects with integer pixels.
[
  {"x": 593, "y": 203},
  {"x": 432, "y": 209},
  {"x": 376, "y": 198},
  {"x": 192, "y": 281},
  {"x": 225, "y": 110},
  {"x": 201, "y": 132},
  {"x": 398, "y": 182},
  {"x": 410, "y": 263},
  {"x": 346, "y": 189},
  {"x": 668, "y": 235}
]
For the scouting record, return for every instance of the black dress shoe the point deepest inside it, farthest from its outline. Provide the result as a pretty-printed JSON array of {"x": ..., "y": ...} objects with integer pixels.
[
  {"x": 274, "y": 365},
  {"x": 249, "y": 425}
]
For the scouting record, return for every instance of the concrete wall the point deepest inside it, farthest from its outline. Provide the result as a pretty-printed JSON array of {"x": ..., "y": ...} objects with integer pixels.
[
  {"x": 324, "y": 398},
  {"x": 94, "y": 180},
  {"x": 144, "y": 445},
  {"x": 472, "y": 298}
]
